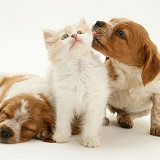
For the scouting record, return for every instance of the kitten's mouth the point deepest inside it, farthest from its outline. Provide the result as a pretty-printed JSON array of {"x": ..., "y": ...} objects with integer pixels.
[{"x": 74, "y": 43}]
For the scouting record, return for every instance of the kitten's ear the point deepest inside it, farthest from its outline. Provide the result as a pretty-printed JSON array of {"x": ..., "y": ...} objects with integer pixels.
[
  {"x": 82, "y": 21},
  {"x": 47, "y": 33},
  {"x": 48, "y": 37}
]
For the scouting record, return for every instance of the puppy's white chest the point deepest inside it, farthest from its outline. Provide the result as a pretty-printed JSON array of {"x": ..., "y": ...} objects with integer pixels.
[{"x": 133, "y": 100}]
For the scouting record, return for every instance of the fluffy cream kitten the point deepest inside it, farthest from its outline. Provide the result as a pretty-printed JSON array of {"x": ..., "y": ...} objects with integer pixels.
[{"x": 78, "y": 80}]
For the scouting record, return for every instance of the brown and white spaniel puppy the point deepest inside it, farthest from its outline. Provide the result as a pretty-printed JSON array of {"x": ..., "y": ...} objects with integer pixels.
[
  {"x": 26, "y": 110},
  {"x": 134, "y": 68}
]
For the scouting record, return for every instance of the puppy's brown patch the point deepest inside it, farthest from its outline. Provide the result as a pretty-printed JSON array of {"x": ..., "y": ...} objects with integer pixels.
[
  {"x": 111, "y": 70},
  {"x": 7, "y": 82}
]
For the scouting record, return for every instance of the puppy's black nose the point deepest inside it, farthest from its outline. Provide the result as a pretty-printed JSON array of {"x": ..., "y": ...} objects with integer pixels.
[
  {"x": 99, "y": 24},
  {"x": 5, "y": 133}
]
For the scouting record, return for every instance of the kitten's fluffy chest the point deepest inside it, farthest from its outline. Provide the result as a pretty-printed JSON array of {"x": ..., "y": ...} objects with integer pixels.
[
  {"x": 74, "y": 80},
  {"x": 79, "y": 81},
  {"x": 75, "y": 70},
  {"x": 83, "y": 73},
  {"x": 80, "y": 67}
]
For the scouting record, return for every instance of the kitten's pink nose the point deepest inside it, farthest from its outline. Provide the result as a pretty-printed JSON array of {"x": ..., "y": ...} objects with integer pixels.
[{"x": 74, "y": 36}]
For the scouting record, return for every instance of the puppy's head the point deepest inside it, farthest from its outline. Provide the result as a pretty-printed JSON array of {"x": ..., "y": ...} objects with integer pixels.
[
  {"x": 25, "y": 116},
  {"x": 128, "y": 43}
]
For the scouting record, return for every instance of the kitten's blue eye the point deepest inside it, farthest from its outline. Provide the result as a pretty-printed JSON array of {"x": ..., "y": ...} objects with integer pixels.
[
  {"x": 80, "y": 32},
  {"x": 65, "y": 36}
]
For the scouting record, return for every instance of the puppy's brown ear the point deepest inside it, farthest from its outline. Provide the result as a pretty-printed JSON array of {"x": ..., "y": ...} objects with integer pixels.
[
  {"x": 152, "y": 63},
  {"x": 46, "y": 136},
  {"x": 49, "y": 120},
  {"x": 3, "y": 105},
  {"x": 51, "y": 127}
]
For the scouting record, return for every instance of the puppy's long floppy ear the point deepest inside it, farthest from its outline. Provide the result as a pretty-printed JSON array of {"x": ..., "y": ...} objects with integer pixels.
[
  {"x": 4, "y": 104},
  {"x": 1, "y": 107},
  {"x": 46, "y": 135},
  {"x": 49, "y": 120},
  {"x": 152, "y": 63}
]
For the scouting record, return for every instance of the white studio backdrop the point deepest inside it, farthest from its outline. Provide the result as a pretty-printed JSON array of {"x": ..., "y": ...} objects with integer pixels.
[
  {"x": 22, "y": 49},
  {"x": 22, "y": 46}
]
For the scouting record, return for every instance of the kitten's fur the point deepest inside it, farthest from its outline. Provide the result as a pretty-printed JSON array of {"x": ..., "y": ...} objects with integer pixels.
[{"x": 79, "y": 82}]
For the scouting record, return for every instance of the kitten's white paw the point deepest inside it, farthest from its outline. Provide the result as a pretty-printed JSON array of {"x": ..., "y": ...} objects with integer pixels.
[
  {"x": 91, "y": 142},
  {"x": 60, "y": 138}
]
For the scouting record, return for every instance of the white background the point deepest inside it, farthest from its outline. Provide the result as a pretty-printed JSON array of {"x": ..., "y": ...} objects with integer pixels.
[{"x": 22, "y": 49}]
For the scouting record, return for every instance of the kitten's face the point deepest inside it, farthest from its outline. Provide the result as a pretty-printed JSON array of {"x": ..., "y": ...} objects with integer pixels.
[{"x": 73, "y": 39}]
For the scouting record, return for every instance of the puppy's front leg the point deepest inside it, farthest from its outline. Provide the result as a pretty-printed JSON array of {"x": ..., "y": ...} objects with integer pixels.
[{"x": 155, "y": 116}]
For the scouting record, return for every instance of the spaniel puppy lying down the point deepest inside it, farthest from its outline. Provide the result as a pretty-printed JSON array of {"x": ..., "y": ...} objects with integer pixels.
[
  {"x": 134, "y": 68},
  {"x": 26, "y": 111}
]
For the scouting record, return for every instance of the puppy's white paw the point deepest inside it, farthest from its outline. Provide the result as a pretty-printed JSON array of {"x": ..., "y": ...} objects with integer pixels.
[
  {"x": 91, "y": 142},
  {"x": 60, "y": 138}
]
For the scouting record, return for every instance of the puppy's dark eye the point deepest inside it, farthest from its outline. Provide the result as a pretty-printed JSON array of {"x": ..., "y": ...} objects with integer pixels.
[
  {"x": 121, "y": 34},
  {"x": 65, "y": 36},
  {"x": 80, "y": 32}
]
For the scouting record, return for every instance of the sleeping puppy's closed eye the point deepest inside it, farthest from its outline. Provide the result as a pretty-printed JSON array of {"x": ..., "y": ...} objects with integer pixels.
[{"x": 134, "y": 69}]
